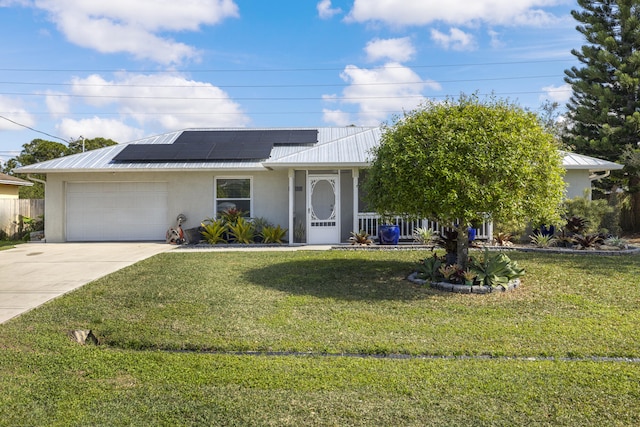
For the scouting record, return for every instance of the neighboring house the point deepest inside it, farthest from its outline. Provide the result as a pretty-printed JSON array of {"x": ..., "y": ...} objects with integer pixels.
[
  {"x": 10, "y": 186},
  {"x": 302, "y": 179}
]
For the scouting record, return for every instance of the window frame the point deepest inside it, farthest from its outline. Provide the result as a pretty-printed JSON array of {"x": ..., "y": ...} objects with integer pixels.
[{"x": 216, "y": 199}]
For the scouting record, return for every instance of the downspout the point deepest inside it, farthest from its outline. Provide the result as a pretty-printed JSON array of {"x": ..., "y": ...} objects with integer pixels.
[
  {"x": 30, "y": 178},
  {"x": 44, "y": 183},
  {"x": 596, "y": 177}
]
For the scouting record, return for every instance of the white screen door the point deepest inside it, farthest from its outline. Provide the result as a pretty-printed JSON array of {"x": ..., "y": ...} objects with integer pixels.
[{"x": 323, "y": 209}]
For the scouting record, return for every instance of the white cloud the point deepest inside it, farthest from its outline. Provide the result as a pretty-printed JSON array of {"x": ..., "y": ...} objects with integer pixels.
[
  {"x": 330, "y": 97},
  {"x": 455, "y": 40},
  {"x": 97, "y": 127},
  {"x": 559, "y": 94},
  {"x": 496, "y": 43},
  {"x": 378, "y": 92},
  {"x": 400, "y": 49},
  {"x": 336, "y": 117},
  {"x": 325, "y": 11},
  {"x": 57, "y": 103},
  {"x": 136, "y": 27},
  {"x": 12, "y": 109},
  {"x": 172, "y": 101},
  {"x": 453, "y": 12}
]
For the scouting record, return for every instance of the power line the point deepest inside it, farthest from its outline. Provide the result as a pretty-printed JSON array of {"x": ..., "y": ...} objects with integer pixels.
[
  {"x": 272, "y": 86},
  {"x": 30, "y": 128},
  {"x": 282, "y": 98},
  {"x": 263, "y": 70}
]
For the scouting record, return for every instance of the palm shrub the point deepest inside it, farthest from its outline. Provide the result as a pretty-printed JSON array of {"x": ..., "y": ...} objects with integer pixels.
[
  {"x": 214, "y": 231},
  {"x": 271, "y": 234},
  {"x": 242, "y": 231}
]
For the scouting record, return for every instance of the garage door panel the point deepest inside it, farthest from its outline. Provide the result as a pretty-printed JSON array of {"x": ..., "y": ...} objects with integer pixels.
[{"x": 116, "y": 211}]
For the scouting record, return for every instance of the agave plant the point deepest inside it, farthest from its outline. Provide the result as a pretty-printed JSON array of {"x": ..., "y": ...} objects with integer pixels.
[
  {"x": 542, "y": 240},
  {"x": 424, "y": 235},
  {"x": 429, "y": 269},
  {"x": 495, "y": 269},
  {"x": 617, "y": 242}
]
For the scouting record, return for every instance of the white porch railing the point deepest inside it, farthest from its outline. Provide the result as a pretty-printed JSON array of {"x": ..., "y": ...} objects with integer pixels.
[{"x": 368, "y": 221}]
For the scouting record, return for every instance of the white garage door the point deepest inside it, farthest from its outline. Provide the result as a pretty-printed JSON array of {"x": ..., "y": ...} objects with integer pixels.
[{"x": 116, "y": 211}]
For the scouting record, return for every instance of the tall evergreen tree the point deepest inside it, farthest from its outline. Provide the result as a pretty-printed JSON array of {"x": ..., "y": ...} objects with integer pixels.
[{"x": 604, "y": 108}]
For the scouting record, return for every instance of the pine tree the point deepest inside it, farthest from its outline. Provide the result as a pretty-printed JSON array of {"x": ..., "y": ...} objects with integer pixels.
[{"x": 605, "y": 106}]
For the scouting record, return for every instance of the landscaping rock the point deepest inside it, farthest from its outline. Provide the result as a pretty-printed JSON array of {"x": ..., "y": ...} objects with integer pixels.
[
  {"x": 463, "y": 289},
  {"x": 83, "y": 336}
]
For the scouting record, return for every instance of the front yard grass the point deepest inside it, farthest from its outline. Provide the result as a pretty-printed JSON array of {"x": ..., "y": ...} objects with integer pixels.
[
  {"x": 9, "y": 244},
  {"x": 570, "y": 311}
]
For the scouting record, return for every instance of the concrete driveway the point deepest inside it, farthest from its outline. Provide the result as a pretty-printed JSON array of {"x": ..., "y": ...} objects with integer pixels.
[{"x": 34, "y": 273}]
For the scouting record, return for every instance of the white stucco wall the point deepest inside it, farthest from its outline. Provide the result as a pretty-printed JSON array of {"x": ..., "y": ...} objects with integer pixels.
[
  {"x": 190, "y": 193},
  {"x": 577, "y": 181}
]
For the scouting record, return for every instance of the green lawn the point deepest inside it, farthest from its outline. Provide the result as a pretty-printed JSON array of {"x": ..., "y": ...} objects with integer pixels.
[
  {"x": 568, "y": 310},
  {"x": 8, "y": 244}
]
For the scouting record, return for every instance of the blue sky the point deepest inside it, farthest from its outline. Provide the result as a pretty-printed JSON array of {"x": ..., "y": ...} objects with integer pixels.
[{"x": 125, "y": 69}]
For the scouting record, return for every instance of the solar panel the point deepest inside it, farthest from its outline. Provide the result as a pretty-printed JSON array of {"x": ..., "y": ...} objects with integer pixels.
[{"x": 217, "y": 145}]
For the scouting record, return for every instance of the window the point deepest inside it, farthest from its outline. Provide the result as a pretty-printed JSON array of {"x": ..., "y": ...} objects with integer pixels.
[{"x": 233, "y": 193}]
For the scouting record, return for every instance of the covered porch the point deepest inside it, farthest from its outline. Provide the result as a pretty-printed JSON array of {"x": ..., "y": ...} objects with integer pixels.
[{"x": 325, "y": 206}]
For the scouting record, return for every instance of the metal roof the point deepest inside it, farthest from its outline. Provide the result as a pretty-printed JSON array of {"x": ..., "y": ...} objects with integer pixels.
[
  {"x": 12, "y": 180},
  {"x": 351, "y": 147},
  {"x": 579, "y": 161},
  {"x": 337, "y": 147}
]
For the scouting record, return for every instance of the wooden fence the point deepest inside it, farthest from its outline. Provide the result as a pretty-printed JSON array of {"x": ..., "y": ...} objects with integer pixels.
[{"x": 12, "y": 210}]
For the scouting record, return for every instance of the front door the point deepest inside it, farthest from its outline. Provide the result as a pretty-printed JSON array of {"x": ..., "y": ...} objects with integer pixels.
[{"x": 323, "y": 209}]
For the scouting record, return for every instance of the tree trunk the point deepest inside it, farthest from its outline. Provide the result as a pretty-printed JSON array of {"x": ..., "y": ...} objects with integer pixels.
[
  {"x": 634, "y": 190},
  {"x": 463, "y": 246}
]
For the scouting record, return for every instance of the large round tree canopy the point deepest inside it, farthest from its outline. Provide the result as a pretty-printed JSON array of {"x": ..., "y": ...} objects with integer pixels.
[{"x": 455, "y": 161}]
